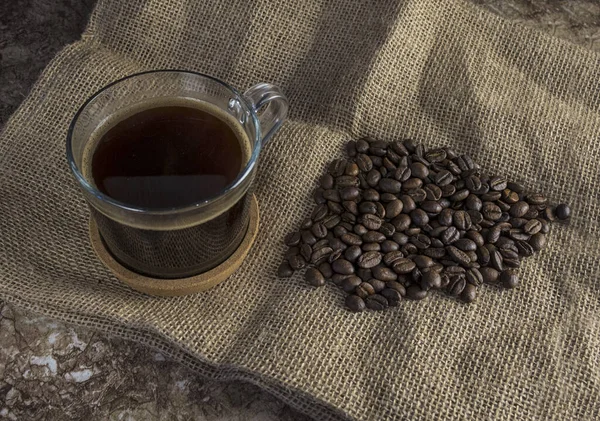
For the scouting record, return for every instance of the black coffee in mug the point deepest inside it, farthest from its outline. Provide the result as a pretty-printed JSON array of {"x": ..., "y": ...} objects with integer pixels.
[
  {"x": 167, "y": 156},
  {"x": 163, "y": 154}
]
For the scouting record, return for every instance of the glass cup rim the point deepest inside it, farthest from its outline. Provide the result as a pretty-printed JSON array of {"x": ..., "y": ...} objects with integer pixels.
[{"x": 178, "y": 209}]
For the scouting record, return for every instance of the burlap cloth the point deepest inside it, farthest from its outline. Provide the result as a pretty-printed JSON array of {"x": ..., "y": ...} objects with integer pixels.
[{"x": 445, "y": 72}]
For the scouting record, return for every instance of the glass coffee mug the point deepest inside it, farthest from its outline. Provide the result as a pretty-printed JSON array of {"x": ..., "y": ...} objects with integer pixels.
[{"x": 189, "y": 238}]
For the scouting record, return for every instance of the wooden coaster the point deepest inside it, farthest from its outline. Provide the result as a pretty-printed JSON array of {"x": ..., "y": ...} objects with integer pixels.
[{"x": 183, "y": 286}]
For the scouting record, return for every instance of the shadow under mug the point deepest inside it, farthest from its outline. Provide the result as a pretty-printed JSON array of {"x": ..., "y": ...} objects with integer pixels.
[{"x": 184, "y": 241}]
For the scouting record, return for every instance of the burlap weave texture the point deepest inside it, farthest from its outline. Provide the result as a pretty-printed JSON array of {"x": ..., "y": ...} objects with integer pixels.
[{"x": 519, "y": 101}]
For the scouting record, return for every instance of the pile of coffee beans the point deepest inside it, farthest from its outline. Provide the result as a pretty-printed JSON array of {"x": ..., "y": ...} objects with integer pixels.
[{"x": 396, "y": 220}]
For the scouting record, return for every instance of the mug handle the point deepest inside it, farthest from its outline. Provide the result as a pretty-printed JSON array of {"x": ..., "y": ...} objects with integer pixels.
[{"x": 270, "y": 105}]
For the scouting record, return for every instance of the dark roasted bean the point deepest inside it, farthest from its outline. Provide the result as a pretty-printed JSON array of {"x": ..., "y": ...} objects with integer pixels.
[
  {"x": 450, "y": 235},
  {"x": 326, "y": 182},
  {"x": 308, "y": 237},
  {"x": 431, "y": 206},
  {"x": 430, "y": 280},
  {"x": 331, "y": 221},
  {"x": 292, "y": 239},
  {"x": 332, "y": 195},
  {"x": 337, "y": 167},
  {"x": 458, "y": 256},
  {"x": 360, "y": 229},
  {"x": 319, "y": 230},
  {"x": 491, "y": 196},
  {"x": 373, "y": 237},
  {"x": 469, "y": 293},
  {"x": 351, "y": 239},
  {"x": 401, "y": 222},
  {"x": 350, "y": 283},
  {"x": 435, "y": 252},
  {"x": 393, "y": 208},
  {"x": 403, "y": 266},
  {"x": 373, "y": 177},
  {"x": 418, "y": 195},
  {"x": 335, "y": 207},
  {"x": 423, "y": 261},
  {"x": 339, "y": 231},
  {"x": 379, "y": 210},
  {"x": 532, "y": 227},
  {"x": 364, "y": 162},
  {"x": 518, "y": 234},
  {"x": 369, "y": 259},
  {"x": 355, "y": 303},
  {"x": 387, "y": 229},
  {"x": 491, "y": 211},
  {"x": 372, "y": 222},
  {"x": 465, "y": 244},
  {"x": 509, "y": 279},
  {"x": 476, "y": 237},
  {"x": 421, "y": 241},
  {"x": 498, "y": 183},
  {"x": 325, "y": 269},
  {"x": 563, "y": 211},
  {"x": 391, "y": 257},
  {"x": 443, "y": 178},
  {"x": 432, "y": 192},
  {"x": 510, "y": 197},
  {"x": 474, "y": 277},
  {"x": 285, "y": 270},
  {"x": 342, "y": 266},
  {"x": 537, "y": 241},
  {"x": 297, "y": 262},
  {"x": 306, "y": 251},
  {"x": 414, "y": 292},
  {"x": 461, "y": 220},
  {"x": 419, "y": 217},
  {"x": 349, "y": 193},
  {"x": 411, "y": 183},
  {"x": 367, "y": 207},
  {"x": 519, "y": 209},
  {"x": 371, "y": 247},
  {"x": 460, "y": 195},
  {"x": 352, "y": 253},
  {"x": 457, "y": 285},
  {"x": 384, "y": 274},
  {"x": 364, "y": 290},
  {"x": 387, "y": 197},
  {"x": 347, "y": 181},
  {"x": 389, "y": 245},
  {"x": 390, "y": 185},
  {"x": 314, "y": 277},
  {"x": 419, "y": 170},
  {"x": 483, "y": 256},
  {"x": 497, "y": 261},
  {"x": 402, "y": 174},
  {"x": 376, "y": 302}
]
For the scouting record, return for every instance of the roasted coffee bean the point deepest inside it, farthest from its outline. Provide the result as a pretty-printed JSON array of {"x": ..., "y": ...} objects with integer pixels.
[
  {"x": 518, "y": 234},
  {"x": 335, "y": 207},
  {"x": 349, "y": 193},
  {"x": 326, "y": 182},
  {"x": 421, "y": 241},
  {"x": 355, "y": 303},
  {"x": 292, "y": 239},
  {"x": 342, "y": 266},
  {"x": 469, "y": 293},
  {"x": 563, "y": 211},
  {"x": 332, "y": 195},
  {"x": 350, "y": 283},
  {"x": 458, "y": 256},
  {"x": 403, "y": 266},
  {"x": 390, "y": 258},
  {"x": 531, "y": 213},
  {"x": 367, "y": 207},
  {"x": 352, "y": 253},
  {"x": 389, "y": 245},
  {"x": 536, "y": 199},
  {"x": 465, "y": 244},
  {"x": 504, "y": 207},
  {"x": 414, "y": 292},
  {"x": 431, "y": 206},
  {"x": 337, "y": 253},
  {"x": 387, "y": 229},
  {"x": 314, "y": 277},
  {"x": 369, "y": 259},
  {"x": 297, "y": 262},
  {"x": 461, "y": 220},
  {"x": 337, "y": 279},
  {"x": 431, "y": 279},
  {"x": 319, "y": 230},
  {"x": 393, "y": 208},
  {"x": 491, "y": 196},
  {"x": 384, "y": 274},
  {"x": 473, "y": 183},
  {"x": 432, "y": 192},
  {"x": 373, "y": 177},
  {"x": 436, "y": 232},
  {"x": 519, "y": 209},
  {"x": 443, "y": 178},
  {"x": 400, "y": 238},
  {"x": 496, "y": 260},
  {"x": 476, "y": 217},
  {"x": 351, "y": 148},
  {"x": 445, "y": 217},
  {"x": 508, "y": 254},
  {"x": 518, "y": 222},
  {"x": 491, "y": 211},
  {"x": 308, "y": 237},
  {"x": 537, "y": 241},
  {"x": 509, "y": 279},
  {"x": 457, "y": 285},
  {"x": 401, "y": 222},
  {"x": 373, "y": 237},
  {"x": 306, "y": 251},
  {"x": 370, "y": 195},
  {"x": 474, "y": 277},
  {"x": 549, "y": 214},
  {"x": 411, "y": 232},
  {"x": 351, "y": 239},
  {"x": 423, "y": 261},
  {"x": 376, "y": 302},
  {"x": 347, "y": 181},
  {"x": 285, "y": 270},
  {"x": 318, "y": 196},
  {"x": 362, "y": 146},
  {"x": 510, "y": 197},
  {"x": 418, "y": 195},
  {"x": 390, "y": 185},
  {"x": 483, "y": 256},
  {"x": 532, "y": 227},
  {"x": 392, "y": 296},
  {"x": 516, "y": 187},
  {"x": 365, "y": 164},
  {"x": 419, "y": 170},
  {"x": 450, "y": 235},
  {"x": 352, "y": 169},
  {"x": 498, "y": 183},
  {"x": 292, "y": 251},
  {"x": 378, "y": 285},
  {"x": 360, "y": 229},
  {"x": 364, "y": 290},
  {"x": 545, "y": 226},
  {"x": 473, "y": 202},
  {"x": 398, "y": 147},
  {"x": 379, "y": 210},
  {"x": 410, "y": 184},
  {"x": 372, "y": 222},
  {"x": 337, "y": 167},
  {"x": 434, "y": 252},
  {"x": 387, "y": 197},
  {"x": 378, "y": 148},
  {"x": 325, "y": 269},
  {"x": 337, "y": 244},
  {"x": 371, "y": 247},
  {"x": 402, "y": 174},
  {"x": 476, "y": 237},
  {"x": 419, "y": 217},
  {"x": 331, "y": 221},
  {"x": 364, "y": 274},
  {"x": 393, "y": 156},
  {"x": 512, "y": 263}
]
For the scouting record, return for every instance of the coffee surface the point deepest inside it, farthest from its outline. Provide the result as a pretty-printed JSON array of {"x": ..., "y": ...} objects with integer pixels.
[{"x": 167, "y": 156}]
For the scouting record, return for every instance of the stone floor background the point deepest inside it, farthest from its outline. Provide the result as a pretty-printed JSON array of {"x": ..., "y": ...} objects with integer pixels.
[{"x": 52, "y": 371}]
